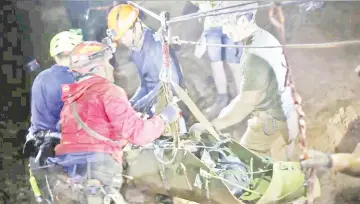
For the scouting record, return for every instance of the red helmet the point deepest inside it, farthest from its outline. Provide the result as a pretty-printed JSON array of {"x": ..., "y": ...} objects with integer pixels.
[{"x": 88, "y": 54}]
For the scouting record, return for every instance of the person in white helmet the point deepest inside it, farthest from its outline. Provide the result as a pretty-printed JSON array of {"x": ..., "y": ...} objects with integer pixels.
[
  {"x": 46, "y": 101},
  {"x": 213, "y": 34},
  {"x": 262, "y": 93}
]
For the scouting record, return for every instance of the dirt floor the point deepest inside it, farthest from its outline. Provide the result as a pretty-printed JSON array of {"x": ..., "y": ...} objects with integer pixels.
[{"x": 325, "y": 78}]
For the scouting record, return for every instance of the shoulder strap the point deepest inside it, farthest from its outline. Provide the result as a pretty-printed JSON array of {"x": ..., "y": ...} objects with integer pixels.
[
  {"x": 86, "y": 128},
  {"x": 195, "y": 110}
]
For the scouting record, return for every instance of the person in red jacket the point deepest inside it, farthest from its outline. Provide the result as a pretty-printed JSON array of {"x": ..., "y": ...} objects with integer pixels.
[{"x": 97, "y": 119}]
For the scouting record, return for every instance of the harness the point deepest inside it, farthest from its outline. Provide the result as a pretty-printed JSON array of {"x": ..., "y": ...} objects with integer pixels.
[
  {"x": 71, "y": 166},
  {"x": 91, "y": 132}
]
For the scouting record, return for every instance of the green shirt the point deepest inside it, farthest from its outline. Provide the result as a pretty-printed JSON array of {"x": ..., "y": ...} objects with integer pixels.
[{"x": 257, "y": 75}]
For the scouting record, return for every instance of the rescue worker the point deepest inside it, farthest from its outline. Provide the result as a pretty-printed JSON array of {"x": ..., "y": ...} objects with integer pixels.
[
  {"x": 46, "y": 101},
  {"x": 341, "y": 162},
  {"x": 89, "y": 17},
  {"x": 260, "y": 88},
  {"x": 97, "y": 119},
  {"x": 125, "y": 27},
  {"x": 213, "y": 34}
]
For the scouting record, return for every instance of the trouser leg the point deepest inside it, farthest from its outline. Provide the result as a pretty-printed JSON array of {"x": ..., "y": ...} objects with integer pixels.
[
  {"x": 219, "y": 75},
  {"x": 109, "y": 172}
]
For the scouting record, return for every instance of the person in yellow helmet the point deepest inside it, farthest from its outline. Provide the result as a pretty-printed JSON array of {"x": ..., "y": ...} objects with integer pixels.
[
  {"x": 46, "y": 101},
  {"x": 125, "y": 27},
  {"x": 346, "y": 163}
]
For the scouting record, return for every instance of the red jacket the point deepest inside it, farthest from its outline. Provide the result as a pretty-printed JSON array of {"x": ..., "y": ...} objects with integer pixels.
[{"x": 104, "y": 107}]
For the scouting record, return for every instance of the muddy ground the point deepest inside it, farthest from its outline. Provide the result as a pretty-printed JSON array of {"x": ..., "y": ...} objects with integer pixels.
[{"x": 325, "y": 78}]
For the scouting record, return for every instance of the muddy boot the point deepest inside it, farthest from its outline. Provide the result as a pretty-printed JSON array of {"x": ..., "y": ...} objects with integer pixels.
[{"x": 222, "y": 100}]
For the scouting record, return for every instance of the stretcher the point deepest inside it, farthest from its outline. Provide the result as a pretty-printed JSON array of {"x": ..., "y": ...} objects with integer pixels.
[{"x": 270, "y": 181}]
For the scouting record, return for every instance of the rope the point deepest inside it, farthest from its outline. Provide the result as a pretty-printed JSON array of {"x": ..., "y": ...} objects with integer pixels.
[
  {"x": 161, "y": 160},
  {"x": 217, "y": 11},
  {"x": 48, "y": 186},
  {"x": 176, "y": 40},
  {"x": 176, "y": 19},
  {"x": 334, "y": 44},
  {"x": 289, "y": 82}
]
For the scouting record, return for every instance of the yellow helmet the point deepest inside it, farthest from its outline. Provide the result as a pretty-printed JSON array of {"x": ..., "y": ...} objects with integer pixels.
[
  {"x": 120, "y": 19},
  {"x": 64, "y": 42}
]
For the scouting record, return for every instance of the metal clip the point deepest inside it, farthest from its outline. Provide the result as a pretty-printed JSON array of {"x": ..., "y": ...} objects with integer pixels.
[
  {"x": 175, "y": 40},
  {"x": 165, "y": 17}
]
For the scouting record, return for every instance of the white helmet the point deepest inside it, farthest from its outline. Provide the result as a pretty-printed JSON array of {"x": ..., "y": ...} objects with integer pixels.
[
  {"x": 64, "y": 42},
  {"x": 236, "y": 24},
  {"x": 243, "y": 5}
]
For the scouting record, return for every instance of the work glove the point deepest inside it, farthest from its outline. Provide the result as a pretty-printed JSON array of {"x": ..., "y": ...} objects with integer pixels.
[
  {"x": 171, "y": 113},
  {"x": 316, "y": 160}
]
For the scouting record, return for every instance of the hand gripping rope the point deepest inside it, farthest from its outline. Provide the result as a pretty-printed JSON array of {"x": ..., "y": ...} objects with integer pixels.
[{"x": 165, "y": 73}]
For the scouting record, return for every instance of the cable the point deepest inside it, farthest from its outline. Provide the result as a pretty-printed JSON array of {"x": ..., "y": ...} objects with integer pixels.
[
  {"x": 150, "y": 13},
  {"x": 205, "y": 13},
  {"x": 175, "y": 19},
  {"x": 209, "y": 13},
  {"x": 292, "y": 46}
]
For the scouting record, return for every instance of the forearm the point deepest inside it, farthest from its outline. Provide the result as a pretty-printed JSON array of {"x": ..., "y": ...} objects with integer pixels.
[
  {"x": 139, "y": 93},
  {"x": 237, "y": 110},
  {"x": 148, "y": 131},
  {"x": 126, "y": 121},
  {"x": 128, "y": 124},
  {"x": 347, "y": 163},
  {"x": 142, "y": 102}
]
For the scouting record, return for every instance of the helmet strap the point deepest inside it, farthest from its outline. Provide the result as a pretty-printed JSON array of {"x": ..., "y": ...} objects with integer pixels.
[{"x": 78, "y": 75}]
